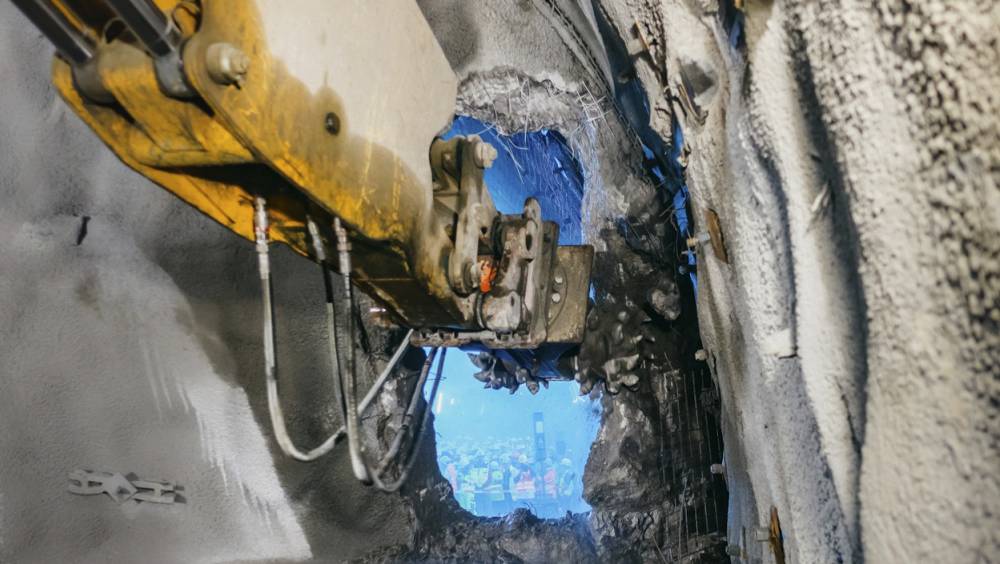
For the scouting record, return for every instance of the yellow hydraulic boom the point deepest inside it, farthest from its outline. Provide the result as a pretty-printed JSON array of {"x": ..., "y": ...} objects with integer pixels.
[{"x": 324, "y": 110}]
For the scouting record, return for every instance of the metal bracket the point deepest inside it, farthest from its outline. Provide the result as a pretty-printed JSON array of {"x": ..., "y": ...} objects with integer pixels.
[
  {"x": 459, "y": 167},
  {"x": 119, "y": 488}
]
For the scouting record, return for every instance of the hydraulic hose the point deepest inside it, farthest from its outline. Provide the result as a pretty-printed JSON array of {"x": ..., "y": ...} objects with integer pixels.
[
  {"x": 363, "y": 470},
  {"x": 270, "y": 357},
  {"x": 331, "y": 315},
  {"x": 347, "y": 377},
  {"x": 411, "y": 410},
  {"x": 418, "y": 440}
]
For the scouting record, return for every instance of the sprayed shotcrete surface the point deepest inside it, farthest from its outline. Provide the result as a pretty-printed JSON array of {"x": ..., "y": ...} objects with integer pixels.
[
  {"x": 138, "y": 351},
  {"x": 850, "y": 151}
]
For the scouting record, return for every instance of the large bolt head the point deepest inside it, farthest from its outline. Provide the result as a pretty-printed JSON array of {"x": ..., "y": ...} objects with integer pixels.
[{"x": 226, "y": 63}]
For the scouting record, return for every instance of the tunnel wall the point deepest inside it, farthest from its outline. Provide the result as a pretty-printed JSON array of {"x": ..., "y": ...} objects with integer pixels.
[
  {"x": 135, "y": 348},
  {"x": 850, "y": 153},
  {"x": 849, "y": 150}
]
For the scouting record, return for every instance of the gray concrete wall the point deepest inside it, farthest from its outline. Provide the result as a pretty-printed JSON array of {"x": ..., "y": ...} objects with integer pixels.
[
  {"x": 138, "y": 351},
  {"x": 851, "y": 153}
]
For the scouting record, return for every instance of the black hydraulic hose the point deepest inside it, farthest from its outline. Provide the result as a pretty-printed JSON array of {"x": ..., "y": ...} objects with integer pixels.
[
  {"x": 67, "y": 40},
  {"x": 331, "y": 314},
  {"x": 417, "y": 442},
  {"x": 149, "y": 25},
  {"x": 363, "y": 470},
  {"x": 411, "y": 410}
]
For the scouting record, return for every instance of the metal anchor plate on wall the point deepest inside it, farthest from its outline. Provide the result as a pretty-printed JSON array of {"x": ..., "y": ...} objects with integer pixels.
[{"x": 120, "y": 487}]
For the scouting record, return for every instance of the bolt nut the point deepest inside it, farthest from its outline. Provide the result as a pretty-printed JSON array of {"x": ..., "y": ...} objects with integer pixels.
[
  {"x": 484, "y": 154},
  {"x": 699, "y": 239},
  {"x": 556, "y": 298},
  {"x": 700, "y": 355},
  {"x": 558, "y": 279},
  {"x": 226, "y": 63}
]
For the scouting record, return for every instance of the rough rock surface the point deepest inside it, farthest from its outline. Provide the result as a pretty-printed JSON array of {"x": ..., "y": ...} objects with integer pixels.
[
  {"x": 850, "y": 151},
  {"x": 931, "y": 205},
  {"x": 156, "y": 290},
  {"x": 642, "y": 346}
]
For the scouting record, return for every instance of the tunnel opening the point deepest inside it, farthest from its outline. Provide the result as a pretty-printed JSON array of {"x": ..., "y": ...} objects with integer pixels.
[
  {"x": 504, "y": 451},
  {"x": 532, "y": 164}
]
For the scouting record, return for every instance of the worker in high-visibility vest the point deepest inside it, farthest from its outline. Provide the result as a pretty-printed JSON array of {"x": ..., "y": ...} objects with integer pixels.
[{"x": 567, "y": 485}]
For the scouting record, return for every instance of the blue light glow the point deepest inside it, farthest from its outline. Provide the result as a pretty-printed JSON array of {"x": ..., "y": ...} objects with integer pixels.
[
  {"x": 536, "y": 164},
  {"x": 502, "y": 451}
]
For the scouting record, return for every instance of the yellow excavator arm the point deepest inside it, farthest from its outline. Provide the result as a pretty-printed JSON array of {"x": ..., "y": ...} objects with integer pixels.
[{"x": 301, "y": 121}]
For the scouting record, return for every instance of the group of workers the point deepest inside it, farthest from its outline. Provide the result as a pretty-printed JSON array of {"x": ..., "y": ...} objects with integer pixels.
[{"x": 495, "y": 478}]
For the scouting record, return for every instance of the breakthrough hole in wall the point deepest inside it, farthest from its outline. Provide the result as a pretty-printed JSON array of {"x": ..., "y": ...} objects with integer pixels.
[
  {"x": 503, "y": 451},
  {"x": 538, "y": 164}
]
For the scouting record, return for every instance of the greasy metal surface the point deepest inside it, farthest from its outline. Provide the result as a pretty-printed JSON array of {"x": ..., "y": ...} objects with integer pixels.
[
  {"x": 324, "y": 120},
  {"x": 145, "y": 142},
  {"x": 356, "y": 59},
  {"x": 567, "y": 320},
  {"x": 458, "y": 167},
  {"x": 370, "y": 170},
  {"x": 565, "y": 326},
  {"x": 528, "y": 255},
  {"x": 359, "y": 61},
  {"x": 156, "y": 135}
]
